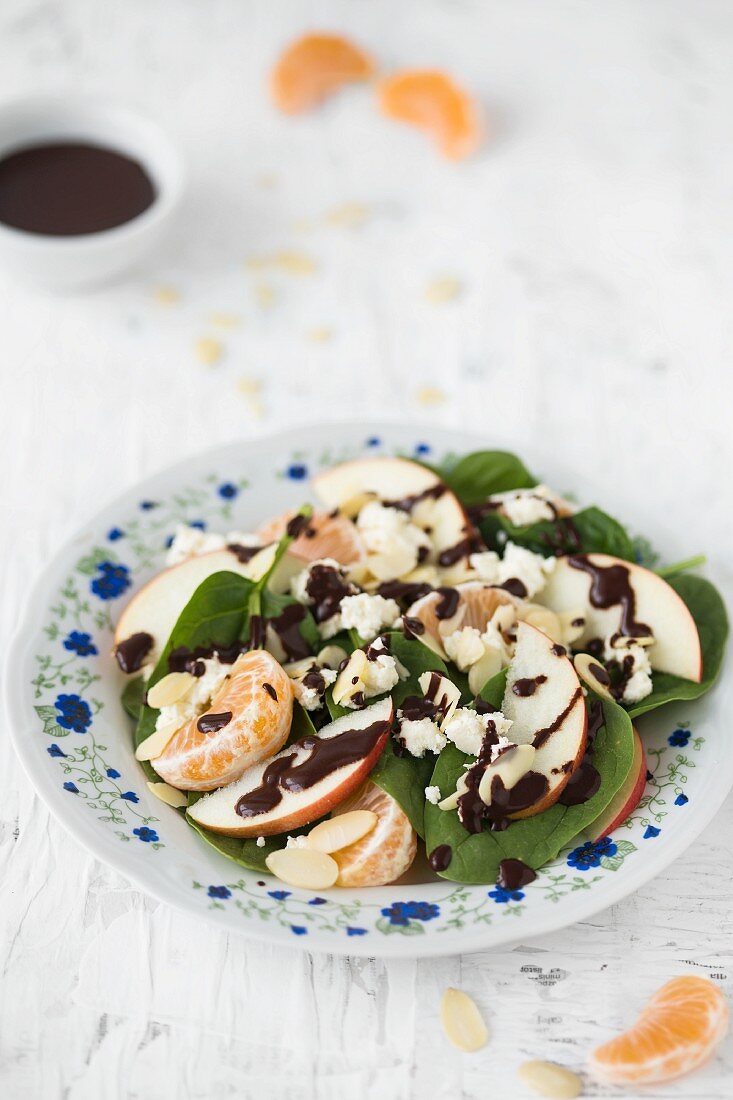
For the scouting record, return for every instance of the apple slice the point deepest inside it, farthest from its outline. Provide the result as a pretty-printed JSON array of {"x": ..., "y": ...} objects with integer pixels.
[
  {"x": 544, "y": 700},
  {"x": 399, "y": 481},
  {"x": 303, "y": 781},
  {"x": 614, "y": 595},
  {"x": 155, "y": 608},
  {"x": 626, "y": 799}
]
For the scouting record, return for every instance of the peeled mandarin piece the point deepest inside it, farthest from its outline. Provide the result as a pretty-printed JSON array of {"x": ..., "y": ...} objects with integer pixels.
[
  {"x": 326, "y": 536},
  {"x": 313, "y": 68},
  {"x": 476, "y": 604},
  {"x": 676, "y": 1032},
  {"x": 549, "y": 1079},
  {"x": 462, "y": 1021},
  {"x": 339, "y": 832},
  {"x": 433, "y": 102},
  {"x": 303, "y": 867},
  {"x": 255, "y": 703},
  {"x": 386, "y": 851}
]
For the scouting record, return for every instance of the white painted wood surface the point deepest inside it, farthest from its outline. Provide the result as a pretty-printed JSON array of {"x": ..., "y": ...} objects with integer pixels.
[{"x": 592, "y": 242}]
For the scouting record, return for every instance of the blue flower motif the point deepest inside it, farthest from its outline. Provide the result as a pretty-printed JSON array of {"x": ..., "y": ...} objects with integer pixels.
[
  {"x": 679, "y": 738},
  {"x": 199, "y": 524},
  {"x": 501, "y": 895},
  {"x": 147, "y": 505},
  {"x": 297, "y": 472},
  {"x": 402, "y": 912},
  {"x": 71, "y": 787},
  {"x": 113, "y": 580},
  {"x": 73, "y": 713},
  {"x": 373, "y": 441},
  {"x": 115, "y": 533},
  {"x": 130, "y": 796},
  {"x": 591, "y": 853},
  {"x": 81, "y": 644},
  {"x": 112, "y": 773},
  {"x": 54, "y": 750},
  {"x": 146, "y": 834},
  {"x": 279, "y": 895},
  {"x": 299, "y": 930},
  {"x": 423, "y": 448},
  {"x": 356, "y": 931},
  {"x": 318, "y": 901},
  {"x": 168, "y": 542},
  {"x": 219, "y": 892},
  {"x": 680, "y": 800},
  {"x": 650, "y": 832},
  {"x": 228, "y": 490}
]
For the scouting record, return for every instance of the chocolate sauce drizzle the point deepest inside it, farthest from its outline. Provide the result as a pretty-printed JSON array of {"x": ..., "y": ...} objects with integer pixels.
[
  {"x": 404, "y": 592},
  {"x": 324, "y": 756},
  {"x": 412, "y": 628},
  {"x": 212, "y": 723},
  {"x": 448, "y": 603},
  {"x": 542, "y": 735},
  {"x": 440, "y": 857},
  {"x": 453, "y": 554},
  {"x": 528, "y": 686},
  {"x": 270, "y": 691},
  {"x": 297, "y": 526},
  {"x": 287, "y": 627},
  {"x": 611, "y": 587},
  {"x": 514, "y": 587},
  {"x": 582, "y": 785},
  {"x": 131, "y": 653},
  {"x": 327, "y": 587},
  {"x": 243, "y": 553},
  {"x": 513, "y": 874},
  {"x": 406, "y": 504}
]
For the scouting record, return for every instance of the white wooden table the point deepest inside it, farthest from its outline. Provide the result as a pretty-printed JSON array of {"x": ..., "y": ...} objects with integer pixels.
[{"x": 592, "y": 245}]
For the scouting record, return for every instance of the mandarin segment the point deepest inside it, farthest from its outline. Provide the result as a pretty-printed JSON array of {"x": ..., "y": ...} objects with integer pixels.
[
  {"x": 314, "y": 67},
  {"x": 327, "y": 536},
  {"x": 387, "y": 851},
  {"x": 475, "y": 605},
  {"x": 432, "y": 101},
  {"x": 259, "y": 695},
  {"x": 676, "y": 1032}
]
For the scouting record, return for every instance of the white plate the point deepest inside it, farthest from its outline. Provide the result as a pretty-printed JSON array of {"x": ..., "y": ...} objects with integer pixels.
[{"x": 90, "y": 781}]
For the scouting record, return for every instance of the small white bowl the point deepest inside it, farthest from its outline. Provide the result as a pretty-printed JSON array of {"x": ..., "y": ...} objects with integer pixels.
[{"x": 75, "y": 262}]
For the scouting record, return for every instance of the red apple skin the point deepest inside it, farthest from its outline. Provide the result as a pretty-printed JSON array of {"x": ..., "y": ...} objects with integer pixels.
[
  {"x": 354, "y": 777},
  {"x": 627, "y": 799}
]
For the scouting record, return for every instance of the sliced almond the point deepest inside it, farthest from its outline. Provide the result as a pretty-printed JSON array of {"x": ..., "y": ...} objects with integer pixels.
[
  {"x": 587, "y": 668},
  {"x": 393, "y": 563},
  {"x": 462, "y": 1021},
  {"x": 482, "y": 670},
  {"x": 331, "y": 656},
  {"x": 450, "y": 802},
  {"x": 446, "y": 694},
  {"x": 543, "y": 619},
  {"x": 171, "y": 689},
  {"x": 169, "y": 795},
  {"x": 296, "y": 670},
  {"x": 303, "y": 867},
  {"x": 153, "y": 746},
  {"x": 549, "y": 1079},
  {"x": 351, "y": 679},
  {"x": 354, "y": 504},
  {"x": 510, "y": 767},
  {"x": 338, "y": 832}
]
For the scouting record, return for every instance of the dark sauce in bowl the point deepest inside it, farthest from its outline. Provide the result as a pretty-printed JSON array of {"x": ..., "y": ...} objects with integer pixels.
[{"x": 71, "y": 188}]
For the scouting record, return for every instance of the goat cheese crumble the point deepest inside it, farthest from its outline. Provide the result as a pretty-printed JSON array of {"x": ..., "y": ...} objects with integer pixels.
[
  {"x": 634, "y": 662},
  {"x": 421, "y": 735},
  {"x": 190, "y": 542},
  {"x": 518, "y": 563},
  {"x": 197, "y": 699},
  {"x": 368, "y": 615},
  {"x": 432, "y": 795},
  {"x": 393, "y": 543}
]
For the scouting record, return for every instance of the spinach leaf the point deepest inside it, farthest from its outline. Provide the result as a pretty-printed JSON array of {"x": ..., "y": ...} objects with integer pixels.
[
  {"x": 597, "y": 532},
  {"x": 476, "y": 476},
  {"x": 708, "y": 611},
  {"x": 215, "y": 613},
  {"x": 534, "y": 840},
  {"x": 133, "y": 696}
]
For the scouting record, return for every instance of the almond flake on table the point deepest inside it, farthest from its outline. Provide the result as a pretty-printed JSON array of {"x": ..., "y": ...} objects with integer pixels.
[
  {"x": 209, "y": 351},
  {"x": 431, "y": 395},
  {"x": 264, "y": 295},
  {"x": 166, "y": 295},
  {"x": 350, "y": 215},
  {"x": 443, "y": 289},
  {"x": 320, "y": 335},
  {"x": 225, "y": 320}
]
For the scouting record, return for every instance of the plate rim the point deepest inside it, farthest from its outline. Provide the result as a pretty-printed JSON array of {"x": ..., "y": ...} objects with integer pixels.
[{"x": 468, "y": 941}]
